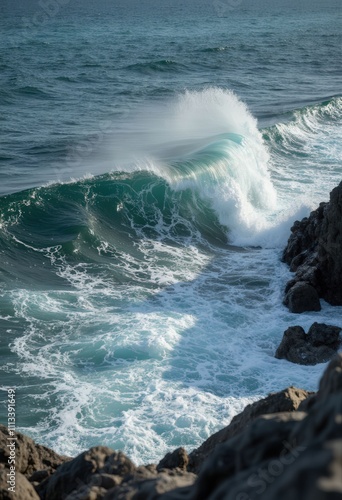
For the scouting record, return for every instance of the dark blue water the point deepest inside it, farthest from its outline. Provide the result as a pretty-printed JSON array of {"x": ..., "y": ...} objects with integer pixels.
[{"x": 153, "y": 156}]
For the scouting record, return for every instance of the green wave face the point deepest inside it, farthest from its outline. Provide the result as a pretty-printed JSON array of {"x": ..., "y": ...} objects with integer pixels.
[{"x": 103, "y": 217}]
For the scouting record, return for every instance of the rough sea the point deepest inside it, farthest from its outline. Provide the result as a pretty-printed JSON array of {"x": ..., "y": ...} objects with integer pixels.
[{"x": 153, "y": 156}]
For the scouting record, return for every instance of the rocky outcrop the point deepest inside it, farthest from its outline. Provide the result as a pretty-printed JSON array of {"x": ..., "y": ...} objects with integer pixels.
[
  {"x": 178, "y": 459},
  {"x": 32, "y": 460},
  {"x": 293, "y": 455},
  {"x": 287, "y": 445},
  {"x": 91, "y": 465},
  {"x": 287, "y": 400},
  {"x": 319, "y": 345},
  {"x": 314, "y": 251}
]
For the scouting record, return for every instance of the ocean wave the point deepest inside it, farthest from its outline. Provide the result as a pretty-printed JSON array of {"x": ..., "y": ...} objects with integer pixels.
[
  {"x": 204, "y": 174},
  {"x": 163, "y": 65},
  {"x": 307, "y": 121},
  {"x": 216, "y": 49},
  {"x": 205, "y": 177},
  {"x": 33, "y": 91}
]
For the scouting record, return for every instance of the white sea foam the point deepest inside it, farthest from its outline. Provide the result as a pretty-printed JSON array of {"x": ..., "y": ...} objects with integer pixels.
[{"x": 168, "y": 370}]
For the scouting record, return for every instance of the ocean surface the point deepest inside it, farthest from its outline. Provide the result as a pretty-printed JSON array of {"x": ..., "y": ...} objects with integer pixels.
[{"x": 153, "y": 157}]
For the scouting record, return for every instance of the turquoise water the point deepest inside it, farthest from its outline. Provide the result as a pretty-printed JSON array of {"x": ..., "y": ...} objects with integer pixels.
[{"x": 153, "y": 158}]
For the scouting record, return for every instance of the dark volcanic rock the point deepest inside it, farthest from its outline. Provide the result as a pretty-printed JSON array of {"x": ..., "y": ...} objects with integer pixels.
[
  {"x": 287, "y": 400},
  {"x": 318, "y": 346},
  {"x": 314, "y": 249},
  {"x": 302, "y": 297}
]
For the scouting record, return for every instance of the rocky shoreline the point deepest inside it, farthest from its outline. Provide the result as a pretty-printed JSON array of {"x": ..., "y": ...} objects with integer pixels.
[
  {"x": 287, "y": 445},
  {"x": 314, "y": 254}
]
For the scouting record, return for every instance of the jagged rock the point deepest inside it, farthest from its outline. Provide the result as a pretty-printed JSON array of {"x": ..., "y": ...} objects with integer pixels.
[
  {"x": 331, "y": 382},
  {"x": 23, "y": 488},
  {"x": 318, "y": 346},
  {"x": 171, "y": 481},
  {"x": 30, "y": 456},
  {"x": 302, "y": 297},
  {"x": 227, "y": 471},
  {"x": 177, "y": 459},
  {"x": 314, "y": 249},
  {"x": 287, "y": 400},
  {"x": 78, "y": 472},
  {"x": 296, "y": 455}
]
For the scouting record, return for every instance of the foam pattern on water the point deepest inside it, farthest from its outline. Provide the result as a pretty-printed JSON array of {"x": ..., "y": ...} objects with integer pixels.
[{"x": 148, "y": 375}]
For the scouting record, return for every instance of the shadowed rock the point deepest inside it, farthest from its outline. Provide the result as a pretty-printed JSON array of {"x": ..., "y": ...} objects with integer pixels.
[
  {"x": 314, "y": 250},
  {"x": 79, "y": 471},
  {"x": 318, "y": 346},
  {"x": 287, "y": 400},
  {"x": 302, "y": 297},
  {"x": 291, "y": 455}
]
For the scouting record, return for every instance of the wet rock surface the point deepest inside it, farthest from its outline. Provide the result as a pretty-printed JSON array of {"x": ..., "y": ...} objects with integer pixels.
[
  {"x": 319, "y": 345},
  {"x": 302, "y": 297},
  {"x": 314, "y": 252}
]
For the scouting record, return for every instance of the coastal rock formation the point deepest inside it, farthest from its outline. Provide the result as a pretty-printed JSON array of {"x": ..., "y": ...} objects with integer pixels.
[
  {"x": 178, "y": 459},
  {"x": 287, "y": 445},
  {"x": 302, "y": 297},
  {"x": 287, "y": 400},
  {"x": 32, "y": 460},
  {"x": 94, "y": 462},
  {"x": 293, "y": 455},
  {"x": 314, "y": 250},
  {"x": 319, "y": 345}
]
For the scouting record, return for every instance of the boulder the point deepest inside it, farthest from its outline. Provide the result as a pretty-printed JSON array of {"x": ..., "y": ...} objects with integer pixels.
[
  {"x": 302, "y": 297},
  {"x": 321, "y": 334},
  {"x": 87, "y": 493},
  {"x": 314, "y": 249},
  {"x": 318, "y": 346},
  {"x": 78, "y": 472}
]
